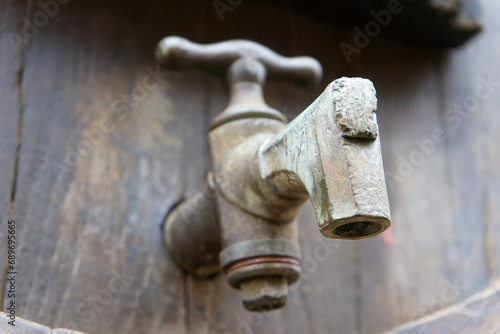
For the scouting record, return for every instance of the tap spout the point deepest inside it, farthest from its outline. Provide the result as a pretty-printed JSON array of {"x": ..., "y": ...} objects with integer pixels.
[{"x": 330, "y": 153}]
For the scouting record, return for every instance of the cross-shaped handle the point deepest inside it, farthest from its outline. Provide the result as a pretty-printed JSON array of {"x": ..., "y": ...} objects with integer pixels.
[{"x": 179, "y": 53}]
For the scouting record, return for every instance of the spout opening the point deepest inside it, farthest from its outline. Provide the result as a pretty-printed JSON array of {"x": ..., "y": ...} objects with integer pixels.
[
  {"x": 355, "y": 230},
  {"x": 265, "y": 304}
]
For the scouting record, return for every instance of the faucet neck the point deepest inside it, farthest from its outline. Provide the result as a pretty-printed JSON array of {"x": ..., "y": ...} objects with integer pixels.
[
  {"x": 330, "y": 153},
  {"x": 246, "y": 78}
]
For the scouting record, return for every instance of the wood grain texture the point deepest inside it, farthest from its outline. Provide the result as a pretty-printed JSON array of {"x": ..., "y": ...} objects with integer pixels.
[
  {"x": 445, "y": 242},
  {"x": 405, "y": 274},
  {"x": 91, "y": 254},
  {"x": 10, "y": 115},
  {"x": 475, "y": 171}
]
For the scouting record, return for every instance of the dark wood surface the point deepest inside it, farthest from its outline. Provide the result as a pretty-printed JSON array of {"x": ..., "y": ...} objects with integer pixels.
[
  {"x": 101, "y": 219},
  {"x": 432, "y": 22}
]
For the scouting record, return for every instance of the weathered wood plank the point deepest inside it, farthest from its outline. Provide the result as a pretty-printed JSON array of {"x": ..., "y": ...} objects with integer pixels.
[
  {"x": 445, "y": 242},
  {"x": 91, "y": 253},
  {"x": 471, "y": 80},
  {"x": 399, "y": 274},
  {"x": 10, "y": 115}
]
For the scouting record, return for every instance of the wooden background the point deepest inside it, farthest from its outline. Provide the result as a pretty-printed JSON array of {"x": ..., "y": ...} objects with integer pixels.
[{"x": 101, "y": 219}]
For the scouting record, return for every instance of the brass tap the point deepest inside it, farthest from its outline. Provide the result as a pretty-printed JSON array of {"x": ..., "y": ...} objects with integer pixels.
[{"x": 264, "y": 170}]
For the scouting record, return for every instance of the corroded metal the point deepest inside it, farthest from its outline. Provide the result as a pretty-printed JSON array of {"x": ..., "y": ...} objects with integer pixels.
[
  {"x": 330, "y": 153},
  {"x": 179, "y": 53},
  {"x": 258, "y": 248},
  {"x": 264, "y": 169},
  {"x": 264, "y": 293},
  {"x": 192, "y": 233}
]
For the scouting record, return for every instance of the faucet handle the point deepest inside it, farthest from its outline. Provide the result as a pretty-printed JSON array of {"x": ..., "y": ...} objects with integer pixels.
[{"x": 179, "y": 53}]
